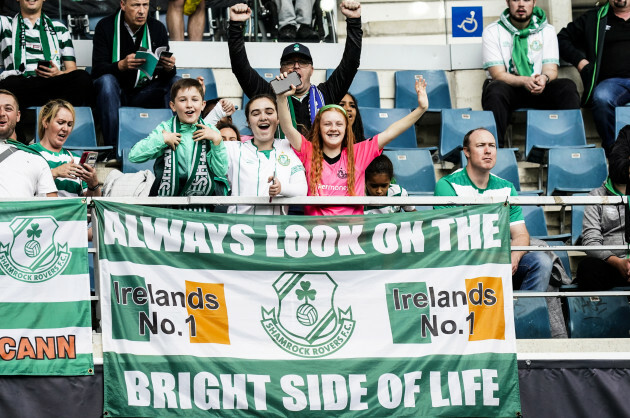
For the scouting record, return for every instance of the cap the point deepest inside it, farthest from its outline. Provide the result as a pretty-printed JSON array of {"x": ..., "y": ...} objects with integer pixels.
[{"x": 296, "y": 49}]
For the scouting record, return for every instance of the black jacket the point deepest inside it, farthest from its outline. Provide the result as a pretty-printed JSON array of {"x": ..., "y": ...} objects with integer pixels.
[
  {"x": 332, "y": 89},
  {"x": 103, "y": 46},
  {"x": 619, "y": 158},
  {"x": 584, "y": 39}
]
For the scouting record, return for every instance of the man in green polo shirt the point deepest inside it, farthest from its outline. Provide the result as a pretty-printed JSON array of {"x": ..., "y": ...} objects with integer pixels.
[{"x": 530, "y": 270}]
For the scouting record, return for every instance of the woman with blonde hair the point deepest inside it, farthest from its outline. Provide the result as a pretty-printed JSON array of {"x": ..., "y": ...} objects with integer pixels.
[{"x": 56, "y": 121}]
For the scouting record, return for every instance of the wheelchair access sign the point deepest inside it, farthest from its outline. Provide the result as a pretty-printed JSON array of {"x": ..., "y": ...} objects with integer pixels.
[{"x": 467, "y": 22}]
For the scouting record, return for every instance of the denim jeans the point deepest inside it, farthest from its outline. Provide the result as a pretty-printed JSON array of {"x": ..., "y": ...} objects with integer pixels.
[
  {"x": 300, "y": 14},
  {"x": 533, "y": 272},
  {"x": 110, "y": 97},
  {"x": 607, "y": 95}
]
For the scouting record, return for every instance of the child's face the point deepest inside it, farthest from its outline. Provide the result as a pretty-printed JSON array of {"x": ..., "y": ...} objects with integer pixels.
[
  {"x": 188, "y": 105},
  {"x": 377, "y": 184},
  {"x": 262, "y": 119},
  {"x": 332, "y": 127}
]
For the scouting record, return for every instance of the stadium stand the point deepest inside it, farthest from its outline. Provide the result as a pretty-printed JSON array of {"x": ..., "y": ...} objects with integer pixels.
[
  {"x": 413, "y": 170},
  {"x": 455, "y": 124},
  {"x": 135, "y": 124},
  {"x": 598, "y": 317},
  {"x": 531, "y": 318},
  {"x": 575, "y": 170},
  {"x": 364, "y": 87},
  {"x": 208, "y": 79},
  {"x": 622, "y": 118},
  {"x": 376, "y": 120},
  {"x": 537, "y": 224},
  {"x": 83, "y": 136},
  {"x": 437, "y": 89}
]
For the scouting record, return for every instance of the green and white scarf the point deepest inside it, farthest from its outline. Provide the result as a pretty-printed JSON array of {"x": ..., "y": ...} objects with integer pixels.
[
  {"x": 520, "y": 48},
  {"x": 200, "y": 183},
  {"x": 47, "y": 36},
  {"x": 141, "y": 78}
]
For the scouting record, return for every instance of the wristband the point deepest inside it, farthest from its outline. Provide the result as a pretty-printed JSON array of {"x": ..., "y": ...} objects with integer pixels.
[
  {"x": 93, "y": 188},
  {"x": 546, "y": 76}
]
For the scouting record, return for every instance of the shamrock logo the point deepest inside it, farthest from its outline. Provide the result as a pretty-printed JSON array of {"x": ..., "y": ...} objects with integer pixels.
[
  {"x": 32, "y": 247},
  {"x": 306, "y": 313}
]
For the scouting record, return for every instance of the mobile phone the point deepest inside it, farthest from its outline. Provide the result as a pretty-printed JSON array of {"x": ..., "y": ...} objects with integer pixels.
[
  {"x": 284, "y": 85},
  {"x": 166, "y": 54},
  {"x": 43, "y": 63},
  {"x": 89, "y": 158}
]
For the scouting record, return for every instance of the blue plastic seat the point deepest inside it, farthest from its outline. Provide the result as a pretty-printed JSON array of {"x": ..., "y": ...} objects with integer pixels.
[
  {"x": 376, "y": 120},
  {"x": 575, "y": 170},
  {"x": 455, "y": 125},
  {"x": 83, "y": 136},
  {"x": 208, "y": 79},
  {"x": 437, "y": 89},
  {"x": 577, "y": 217},
  {"x": 413, "y": 170},
  {"x": 135, "y": 124},
  {"x": 364, "y": 88},
  {"x": 537, "y": 224},
  {"x": 622, "y": 118},
  {"x": 268, "y": 74},
  {"x": 531, "y": 317},
  {"x": 549, "y": 129},
  {"x": 240, "y": 121},
  {"x": 598, "y": 317}
]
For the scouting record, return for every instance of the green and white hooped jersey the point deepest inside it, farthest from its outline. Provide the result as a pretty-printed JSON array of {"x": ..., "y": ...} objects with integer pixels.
[
  {"x": 65, "y": 187},
  {"x": 459, "y": 184}
]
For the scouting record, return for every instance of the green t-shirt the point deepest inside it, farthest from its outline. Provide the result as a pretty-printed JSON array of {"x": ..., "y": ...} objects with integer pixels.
[
  {"x": 66, "y": 187},
  {"x": 459, "y": 184}
]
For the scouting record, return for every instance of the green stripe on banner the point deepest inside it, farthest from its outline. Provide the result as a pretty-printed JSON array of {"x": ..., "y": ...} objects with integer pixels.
[
  {"x": 469, "y": 235},
  {"x": 78, "y": 263},
  {"x": 62, "y": 209},
  {"x": 80, "y": 365},
  {"x": 44, "y": 315},
  {"x": 463, "y": 386}
]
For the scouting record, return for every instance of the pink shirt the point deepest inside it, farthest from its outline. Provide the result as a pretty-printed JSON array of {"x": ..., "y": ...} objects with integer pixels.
[{"x": 334, "y": 180}]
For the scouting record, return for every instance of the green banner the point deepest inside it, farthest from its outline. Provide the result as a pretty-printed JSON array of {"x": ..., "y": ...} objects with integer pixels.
[
  {"x": 44, "y": 289},
  {"x": 401, "y": 314}
]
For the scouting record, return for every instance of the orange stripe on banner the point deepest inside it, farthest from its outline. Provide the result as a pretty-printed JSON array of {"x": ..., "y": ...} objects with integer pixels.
[
  {"x": 485, "y": 307},
  {"x": 207, "y": 313}
]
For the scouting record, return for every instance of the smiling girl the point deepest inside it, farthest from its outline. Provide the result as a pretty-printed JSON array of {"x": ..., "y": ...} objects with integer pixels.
[{"x": 335, "y": 165}]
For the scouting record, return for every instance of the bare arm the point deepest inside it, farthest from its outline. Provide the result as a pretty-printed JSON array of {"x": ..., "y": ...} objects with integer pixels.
[
  {"x": 520, "y": 237},
  {"x": 284, "y": 116},
  {"x": 405, "y": 123}
]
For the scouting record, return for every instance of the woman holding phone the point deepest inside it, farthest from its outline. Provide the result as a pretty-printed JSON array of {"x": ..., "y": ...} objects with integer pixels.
[{"x": 56, "y": 121}]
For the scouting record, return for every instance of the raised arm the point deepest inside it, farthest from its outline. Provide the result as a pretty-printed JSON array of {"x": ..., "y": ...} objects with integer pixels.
[
  {"x": 405, "y": 123},
  {"x": 284, "y": 116}
]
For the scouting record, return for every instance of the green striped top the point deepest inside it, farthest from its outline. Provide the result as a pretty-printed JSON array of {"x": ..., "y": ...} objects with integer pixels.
[{"x": 66, "y": 187}]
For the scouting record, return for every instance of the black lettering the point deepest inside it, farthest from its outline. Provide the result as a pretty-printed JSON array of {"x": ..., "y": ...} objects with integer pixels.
[
  {"x": 211, "y": 302},
  {"x": 427, "y": 324},
  {"x": 162, "y": 298},
  {"x": 461, "y": 294},
  {"x": 139, "y": 296},
  {"x": 405, "y": 299},
  {"x": 445, "y": 299},
  {"x": 489, "y": 298},
  {"x": 125, "y": 291},
  {"x": 475, "y": 295},
  {"x": 395, "y": 295},
  {"x": 182, "y": 298},
  {"x": 195, "y": 299},
  {"x": 420, "y": 300},
  {"x": 145, "y": 322}
]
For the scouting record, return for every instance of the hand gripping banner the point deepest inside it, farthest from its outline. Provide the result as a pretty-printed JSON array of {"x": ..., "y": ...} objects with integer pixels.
[{"x": 233, "y": 315}]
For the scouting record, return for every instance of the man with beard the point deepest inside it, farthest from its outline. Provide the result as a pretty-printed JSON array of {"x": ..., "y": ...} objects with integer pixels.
[
  {"x": 598, "y": 44},
  {"x": 520, "y": 56},
  {"x": 23, "y": 172}
]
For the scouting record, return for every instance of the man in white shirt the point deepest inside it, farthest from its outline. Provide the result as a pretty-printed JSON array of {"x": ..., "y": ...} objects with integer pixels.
[
  {"x": 520, "y": 56},
  {"x": 23, "y": 173}
]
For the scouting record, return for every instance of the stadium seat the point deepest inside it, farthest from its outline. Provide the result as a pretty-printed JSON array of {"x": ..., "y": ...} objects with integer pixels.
[
  {"x": 376, "y": 120},
  {"x": 506, "y": 168},
  {"x": 455, "y": 124},
  {"x": 622, "y": 118},
  {"x": 208, "y": 79},
  {"x": 83, "y": 136},
  {"x": 531, "y": 318},
  {"x": 129, "y": 167},
  {"x": 537, "y": 224},
  {"x": 240, "y": 121},
  {"x": 364, "y": 88},
  {"x": 437, "y": 89},
  {"x": 598, "y": 317},
  {"x": 413, "y": 170},
  {"x": 575, "y": 170},
  {"x": 547, "y": 129},
  {"x": 136, "y": 123},
  {"x": 266, "y": 73}
]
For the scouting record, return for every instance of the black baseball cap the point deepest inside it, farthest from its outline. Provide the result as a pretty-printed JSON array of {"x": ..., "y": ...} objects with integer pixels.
[{"x": 296, "y": 49}]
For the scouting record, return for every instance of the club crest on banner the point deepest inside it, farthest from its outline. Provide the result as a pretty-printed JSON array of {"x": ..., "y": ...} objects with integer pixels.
[
  {"x": 306, "y": 322},
  {"x": 32, "y": 255}
]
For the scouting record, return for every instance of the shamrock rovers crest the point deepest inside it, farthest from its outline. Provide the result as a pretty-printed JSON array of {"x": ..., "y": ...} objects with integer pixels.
[
  {"x": 33, "y": 255},
  {"x": 306, "y": 322}
]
